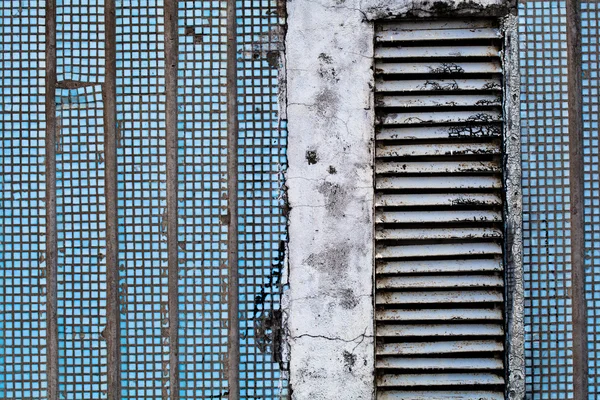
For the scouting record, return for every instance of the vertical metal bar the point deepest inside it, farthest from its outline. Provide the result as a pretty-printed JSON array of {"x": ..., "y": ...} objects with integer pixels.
[
  {"x": 171, "y": 60},
  {"x": 580, "y": 351},
  {"x": 232, "y": 187},
  {"x": 51, "y": 232},
  {"x": 109, "y": 96}
]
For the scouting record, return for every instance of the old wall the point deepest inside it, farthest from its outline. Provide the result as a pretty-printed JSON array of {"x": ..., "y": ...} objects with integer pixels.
[{"x": 330, "y": 116}]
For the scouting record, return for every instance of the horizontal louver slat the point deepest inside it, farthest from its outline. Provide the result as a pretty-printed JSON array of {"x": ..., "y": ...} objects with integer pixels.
[
  {"x": 438, "y": 233},
  {"x": 447, "y": 182},
  {"x": 437, "y": 216},
  {"x": 438, "y": 250},
  {"x": 440, "y": 315},
  {"x": 436, "y": 68},
  {"x": 440, "y": 100},
  {"x": 441, "y": 281},
  {"x": 438, "y": 395},
  {"x": 472, "y": 120},
  {"x": 437, "y": 199},
  {"x": 438, "y": 297},
  {"x": 453, "y": 363},
  {"x": 438, "y": 210},
  {"x": 437, "y": 149},
  {"x": 438, "y": 85},
  {"x": 436, "y": 266},
  {"x": 404, "y": 35},
  {"x": 435, "y": 52},
  {"x": 442, "y": 347},
  {"x": 446, "y": 330},
  {"x": 441, "y": 379},
  {"x": 443, "y": 167}
]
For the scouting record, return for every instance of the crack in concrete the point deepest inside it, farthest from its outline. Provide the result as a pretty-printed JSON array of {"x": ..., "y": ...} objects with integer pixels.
[
  {"x": 321, "y": 295},
  {"x": 362, "y": 337},
  {"x": 338, "y": 7}
]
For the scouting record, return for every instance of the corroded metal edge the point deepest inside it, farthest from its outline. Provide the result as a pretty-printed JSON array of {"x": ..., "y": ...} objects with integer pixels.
[
  {"x": 233, "y": 343},
  {"x": 577, "y": 193},
  {"x": 171, "y": 57},
  {"x": 109, "y": 96},
  {"x": 515, "y": 350},
  {"x": 51, "y": 228}
]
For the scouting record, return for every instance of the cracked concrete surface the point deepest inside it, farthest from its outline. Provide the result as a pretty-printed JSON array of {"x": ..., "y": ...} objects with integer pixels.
[
  {"x": 330, "y": 125},
  {"x": 329, "y": 106}
]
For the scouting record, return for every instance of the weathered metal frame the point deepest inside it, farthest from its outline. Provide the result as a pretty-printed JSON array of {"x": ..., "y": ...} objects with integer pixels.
[
  {"x": 233, "y": 290},
  {"x": 109, "y": 96},
  {"x": 513, "y": 209},
  {"x": 51, "y": 227},
  {"x": 513, "y": 206},
  {"x": 171, "y": 58},
  {"x": 577, "y": 194}
]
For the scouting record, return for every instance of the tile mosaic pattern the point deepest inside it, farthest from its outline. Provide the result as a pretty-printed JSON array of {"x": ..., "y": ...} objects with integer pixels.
[
  {"x": 546, "y": 218},
  {"x": 141, "y": 185},
  {"x": 22, "y": 197},
  {"x": 590, "y": 15}
]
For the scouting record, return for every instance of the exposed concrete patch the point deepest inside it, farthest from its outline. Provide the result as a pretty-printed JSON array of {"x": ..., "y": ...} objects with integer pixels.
[
  {"x": 326, "y": 70},
  {"x": 336, "y": 198},
  {"x": 349, "y": 360},
  {"x": 348, "y": 299},
  {"x": 312, "y": 157},
  {"x": 273, "y": 59}
]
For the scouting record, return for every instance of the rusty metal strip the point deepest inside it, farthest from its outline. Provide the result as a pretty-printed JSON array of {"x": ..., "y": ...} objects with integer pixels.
[
  {"x": 51, "y": 226},
  {"x": 109, "y": 96},
  {"x": 576, "y": 179},
  {"x": 233, "y": 343},
  {"x": 171, "y": 57}
]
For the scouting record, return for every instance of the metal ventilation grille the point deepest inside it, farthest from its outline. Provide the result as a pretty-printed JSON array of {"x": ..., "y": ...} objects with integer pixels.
[{"x": 439, "y": 219}]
